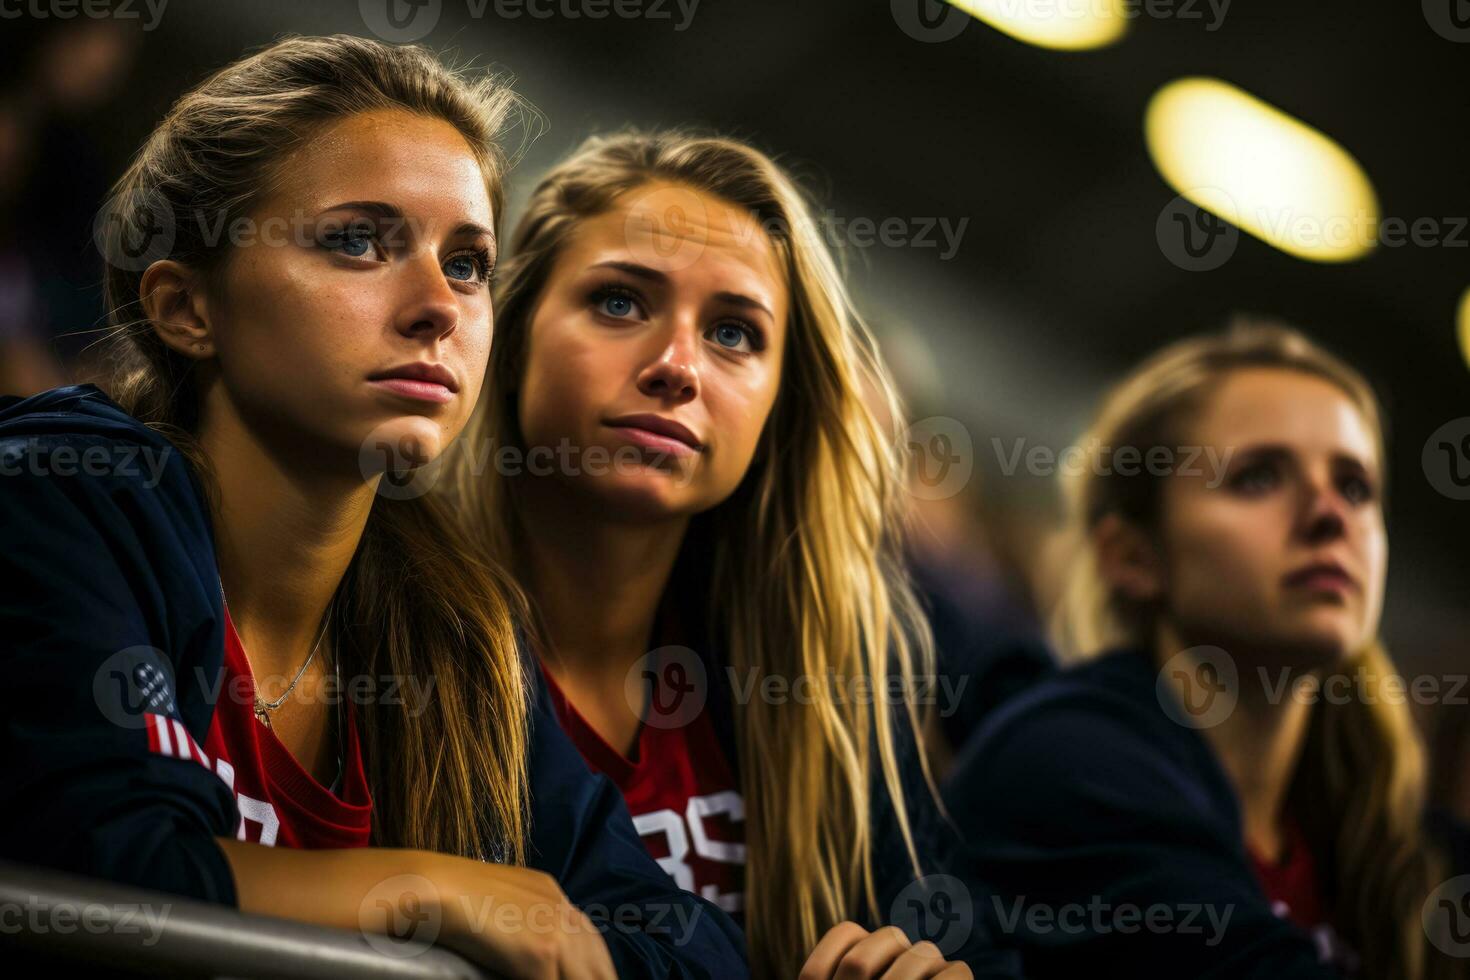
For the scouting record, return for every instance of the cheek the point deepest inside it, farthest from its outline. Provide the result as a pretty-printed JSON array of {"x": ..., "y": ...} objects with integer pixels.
[
  {"x": 475, "y": 364},
  {"x": 470, "y": 345},
  {"x": 738, "y": 409},
  {"x": 1375, "y": 561},
  {"x": 291, "y": 323},
  {"x": 1222, "y": 553},
  {"x": 562, "y": 384}
]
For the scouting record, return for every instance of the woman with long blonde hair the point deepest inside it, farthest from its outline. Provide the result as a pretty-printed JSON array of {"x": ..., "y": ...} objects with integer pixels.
[
  {"x": 256, "y": 672},
  {"x": 676, "y": 459},
  {"x": 1226, "y": 764}
]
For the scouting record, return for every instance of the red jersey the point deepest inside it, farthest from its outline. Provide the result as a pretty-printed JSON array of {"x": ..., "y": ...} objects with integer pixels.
[
  {"x": 1293, "y": 889},
  {"x": 683, "y": 796},
  {"x": 279, "y": 801}
]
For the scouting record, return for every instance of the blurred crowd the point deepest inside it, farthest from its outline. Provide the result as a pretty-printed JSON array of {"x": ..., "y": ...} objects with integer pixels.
[{"x": 60, "y": 81}]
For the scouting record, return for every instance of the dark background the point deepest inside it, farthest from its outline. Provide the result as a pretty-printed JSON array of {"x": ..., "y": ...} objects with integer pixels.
[{"x": 1059, "y": 283}]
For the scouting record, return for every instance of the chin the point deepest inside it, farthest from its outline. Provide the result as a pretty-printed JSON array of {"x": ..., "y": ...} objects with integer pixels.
[
  {"x": 1319, "y": 641},
  {"x": 651, "y": 496},
  {"x": 402, "y": 443}
]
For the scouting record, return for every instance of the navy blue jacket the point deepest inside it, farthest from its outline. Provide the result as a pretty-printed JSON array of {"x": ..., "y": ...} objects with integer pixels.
[
  {"x": 1082, "y": 798},
  {"x": 110, "y": 576}
]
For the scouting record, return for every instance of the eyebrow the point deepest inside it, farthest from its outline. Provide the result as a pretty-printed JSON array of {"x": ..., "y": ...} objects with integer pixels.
[
  {"x": 382, "y": 209},
  {"x": 640, "y": 271},
  {"x": 1277, "y": 451}
]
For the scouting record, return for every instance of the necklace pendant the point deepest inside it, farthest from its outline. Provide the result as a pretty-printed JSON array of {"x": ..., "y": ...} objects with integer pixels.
[{"x": 261, "y": 715}]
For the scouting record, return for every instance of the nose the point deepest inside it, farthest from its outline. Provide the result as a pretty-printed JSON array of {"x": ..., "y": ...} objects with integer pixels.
[
  {"x": 428, "y": 307},
  {"x": 673, "y": 375},
  {"x": 1322, "y": 517}
]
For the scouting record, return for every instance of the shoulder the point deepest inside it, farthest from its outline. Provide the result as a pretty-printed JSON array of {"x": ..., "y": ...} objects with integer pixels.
[
  {"x": 74, "y": 451},
  {"x": 1111, "y": 699},
  {"x": 1092, "y": 735},
  {"x": 75, "y": 410},
  {"x": 108, "y": 539}
]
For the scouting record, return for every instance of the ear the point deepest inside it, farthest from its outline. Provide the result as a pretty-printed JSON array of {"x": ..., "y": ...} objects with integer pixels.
[
  {"x": 1128, "y": 559},
  {"x": 172, "y": 297}
]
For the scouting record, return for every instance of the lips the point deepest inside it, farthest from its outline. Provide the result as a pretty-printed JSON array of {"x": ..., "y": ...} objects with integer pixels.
[
  {"x": 421, "y": 381},
  {"x": 1321, "y": 575},
  {"x": 656, "y": 432}
]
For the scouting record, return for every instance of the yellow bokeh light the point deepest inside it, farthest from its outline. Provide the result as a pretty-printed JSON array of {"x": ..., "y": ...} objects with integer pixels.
[
  {"x": 1464, "y": 323},
  {"x": 1268, "y": 173},
  {"x": 1062, "y": 25}
]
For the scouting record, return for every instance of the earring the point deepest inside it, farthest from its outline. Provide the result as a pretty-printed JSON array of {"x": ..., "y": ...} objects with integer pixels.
[{"x": 199, "y": 347}]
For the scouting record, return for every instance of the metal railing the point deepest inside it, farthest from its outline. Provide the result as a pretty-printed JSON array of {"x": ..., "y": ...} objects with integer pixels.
[{"x": 69, "y": 918}]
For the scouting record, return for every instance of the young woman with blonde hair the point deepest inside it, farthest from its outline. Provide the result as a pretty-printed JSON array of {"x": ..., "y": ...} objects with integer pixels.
[
  {"x": 676, "y": 459},
  {"x": 1225, "y": 780},
  {"x": 251, "y": 676}
]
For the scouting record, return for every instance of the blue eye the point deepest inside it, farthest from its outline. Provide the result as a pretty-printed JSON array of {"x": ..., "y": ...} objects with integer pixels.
[
  {"x": 737, "y": 337},
  {"x": 356, "y": 246},
  {"x": 618, "y": 306},
  {"x": 356, "y": 241},
  {"x": 617, "y": 302},
  {"x": 462, "y": 267}
]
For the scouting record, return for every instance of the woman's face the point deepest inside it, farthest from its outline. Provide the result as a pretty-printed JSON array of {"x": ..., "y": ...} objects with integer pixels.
[
  {"x": 654, "y": 354},
  {"x": 1285, "y": 557},
  {"x": 356, "y": 304}
]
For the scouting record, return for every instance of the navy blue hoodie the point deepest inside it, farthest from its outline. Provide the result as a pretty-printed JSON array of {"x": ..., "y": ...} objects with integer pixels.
[
  {"x": 108, "y": 562},
  {"x": 1089, "y": 809}
]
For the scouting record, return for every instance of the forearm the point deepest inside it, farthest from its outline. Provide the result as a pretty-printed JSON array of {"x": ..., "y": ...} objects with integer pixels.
[
  {"x": 329, "y": 887},
  {"x": 514, "y": 920}
]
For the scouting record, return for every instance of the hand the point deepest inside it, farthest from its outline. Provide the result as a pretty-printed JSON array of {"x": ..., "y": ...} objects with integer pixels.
[
  {"x": 519, "y": 923},
  {"x": 513, "y": 920},
  {"x": 850, "y": 952}
]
